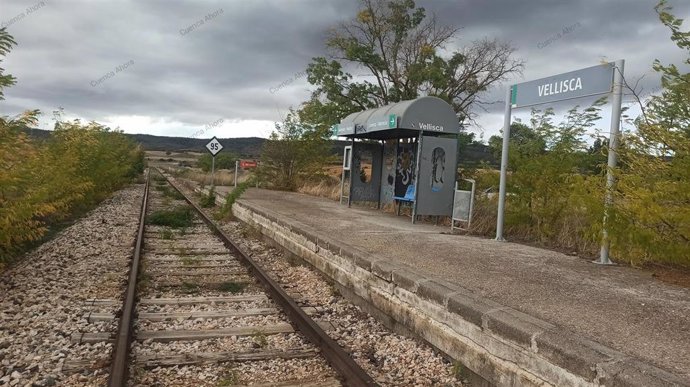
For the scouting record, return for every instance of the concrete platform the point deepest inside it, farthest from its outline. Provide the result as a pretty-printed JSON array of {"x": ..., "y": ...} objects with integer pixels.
[{"x": 602, "y": 325}]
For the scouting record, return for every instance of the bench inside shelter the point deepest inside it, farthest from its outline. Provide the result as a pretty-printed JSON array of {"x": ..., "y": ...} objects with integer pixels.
[{"x": 409, "y": 198}]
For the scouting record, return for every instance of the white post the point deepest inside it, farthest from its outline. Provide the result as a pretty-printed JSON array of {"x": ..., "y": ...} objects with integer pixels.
[
  {"x": 237, "y": 163},
  {"x": 452, "y": 213},
  {"x": 504, "y": 167},
  {"x": 469, "y": 216},
  {"x": 616, "y": 106}
]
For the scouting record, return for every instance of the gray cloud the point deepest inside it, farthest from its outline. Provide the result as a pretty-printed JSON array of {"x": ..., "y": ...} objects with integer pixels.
[{"x": 228, "y": 65}]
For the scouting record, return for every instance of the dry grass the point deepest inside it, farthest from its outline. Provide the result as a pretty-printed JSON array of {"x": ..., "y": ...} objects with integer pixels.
[
  {"x": 223, "y": 177},
  {"x": 327, "y": 189},
  {"x": 177, "y": 156},
  {"x": 567, "y": 237},
  {"x": 204, "y": 178},
  {"x": 484, "y": 216}
]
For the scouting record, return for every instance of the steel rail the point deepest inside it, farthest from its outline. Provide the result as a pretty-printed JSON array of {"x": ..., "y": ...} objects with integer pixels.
[
  {"x": 341, "y": 361},
  {"x": 118, "y": 366}
]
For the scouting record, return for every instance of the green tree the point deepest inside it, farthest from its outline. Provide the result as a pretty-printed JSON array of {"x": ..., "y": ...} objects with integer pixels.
[
  {"x": 224, "y": 160},
  {"x": 403, "y": 52},
  {"x": 6, "y": 43},
  {"x": 294, "y": 153},
  {"x": 524, "y": 141}
]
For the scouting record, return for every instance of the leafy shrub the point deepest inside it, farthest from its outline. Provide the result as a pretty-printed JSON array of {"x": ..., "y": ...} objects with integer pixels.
[
  {"x": 232, "y": 197},
  {"x": 224, "y": 160},
  {"x": 231, "y": 287},
  {"x": 171, "y": 192},
  {"x": 208, "y": 200},
  {"x": 166, "y": 234},
  {"x": 178, "y": 217},
  {"x": 294, "y": 153},
  {"x": 44, "y": 182}
]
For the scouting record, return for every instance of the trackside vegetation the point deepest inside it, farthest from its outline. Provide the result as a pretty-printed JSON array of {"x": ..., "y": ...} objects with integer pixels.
[
  {"x": 557, "y": 168},
  {"x": 178, "y": 217},
  {"x": 43, "y": 183},
  {"x": 556, "y": 182}
]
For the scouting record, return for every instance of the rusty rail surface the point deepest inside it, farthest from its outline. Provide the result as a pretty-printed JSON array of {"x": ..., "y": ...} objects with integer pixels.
[
  {"x": 118, "y": 366},
  {"x": 341, "y": 361}
]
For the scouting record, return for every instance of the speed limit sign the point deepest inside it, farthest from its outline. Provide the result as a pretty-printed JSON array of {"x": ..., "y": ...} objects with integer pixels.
[{"x": 214, "y": 146}]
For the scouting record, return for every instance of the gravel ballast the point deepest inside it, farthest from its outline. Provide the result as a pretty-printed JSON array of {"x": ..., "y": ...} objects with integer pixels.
[
  {"x": 391, "y": 359},
  {"x": 43, "y": 297},
  {"x": 198, "y": 342}
]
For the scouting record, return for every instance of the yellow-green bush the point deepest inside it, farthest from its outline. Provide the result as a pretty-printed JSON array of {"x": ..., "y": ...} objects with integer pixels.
[
  {"x": 651, "y": 221},
  {"x": 556, "y": 185},
  {"x": 42, "y": 183}
]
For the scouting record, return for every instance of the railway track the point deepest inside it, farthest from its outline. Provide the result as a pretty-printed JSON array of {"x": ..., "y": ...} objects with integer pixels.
[{"x": 198, "y": 311}]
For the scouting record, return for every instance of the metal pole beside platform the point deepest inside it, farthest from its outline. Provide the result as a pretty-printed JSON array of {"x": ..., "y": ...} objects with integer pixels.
[
  {"x": 504, "y": 166},
  {"x": 616, "y": 108}
]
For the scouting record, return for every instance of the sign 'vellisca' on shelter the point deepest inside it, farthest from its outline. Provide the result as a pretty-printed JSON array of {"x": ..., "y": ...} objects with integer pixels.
[
  {"x": 575, "y": 84},
  {"x": 405, "y": 118},
  {"x": 214, "y": 146}
]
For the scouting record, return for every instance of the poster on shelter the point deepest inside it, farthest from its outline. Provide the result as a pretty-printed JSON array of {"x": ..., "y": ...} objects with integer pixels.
[
  {"x": 436, "y": 182},
  {"x": 388, "y": 176},
  {"x": 405, "y": 167},
  {"x": 438, "y": 168}
]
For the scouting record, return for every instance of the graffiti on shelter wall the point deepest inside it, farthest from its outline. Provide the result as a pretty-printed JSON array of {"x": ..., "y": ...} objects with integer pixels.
[
  {"x": 388, "y": 175},
  {"x": 438, "y": 167},
  {"x": 404, "y": 169}
]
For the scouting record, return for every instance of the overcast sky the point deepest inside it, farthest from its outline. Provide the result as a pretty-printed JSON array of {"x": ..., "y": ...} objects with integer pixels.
[{"x": 153, "y": 67}]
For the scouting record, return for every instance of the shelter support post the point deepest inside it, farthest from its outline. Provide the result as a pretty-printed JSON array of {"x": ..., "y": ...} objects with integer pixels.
[
  {"x": 616, "y": 106},
  {"x": 416, "y": 176},
  {"x": 349, "y": 195},
  {"x": 342, "y": 185},
  {"x": 504, "y": 167},
  {"x": 383, "y": 166}
]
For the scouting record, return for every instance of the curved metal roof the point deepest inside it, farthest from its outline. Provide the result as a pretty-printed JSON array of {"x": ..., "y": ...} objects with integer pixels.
[{"x": 429, "y": 114}]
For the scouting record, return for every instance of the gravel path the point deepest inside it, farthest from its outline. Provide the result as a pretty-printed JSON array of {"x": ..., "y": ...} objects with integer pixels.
[{"x": 42, "y": 302}]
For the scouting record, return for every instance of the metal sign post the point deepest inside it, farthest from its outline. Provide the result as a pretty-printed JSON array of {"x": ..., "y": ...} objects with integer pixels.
[
  {"x": 617, "y": 104},
  {"x": 504, "y": 165},
  {"x": 214, "y": 146},
  {"x": 586, "y": 82},
  {"x": 213, "y": 171}
]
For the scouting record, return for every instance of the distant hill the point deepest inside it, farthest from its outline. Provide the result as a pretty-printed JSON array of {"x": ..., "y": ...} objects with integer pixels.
[
  {"x": 250, "y": 147},
  {"x": 245, "y": 146}
]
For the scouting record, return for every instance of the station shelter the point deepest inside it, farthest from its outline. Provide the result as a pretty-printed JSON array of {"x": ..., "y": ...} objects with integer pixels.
[{"x": 404, "y": 153}]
